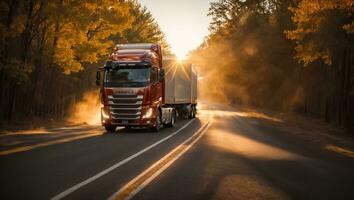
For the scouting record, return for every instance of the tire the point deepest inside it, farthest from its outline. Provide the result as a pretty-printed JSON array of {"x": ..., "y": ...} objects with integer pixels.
[
  {"x": 194, "y": 111},
  {"x": 173, "y": 120},
  {"x": 156, "y": 128},
  {"x": 191, "y": 114},
  {"x": 110, "y": 128}
]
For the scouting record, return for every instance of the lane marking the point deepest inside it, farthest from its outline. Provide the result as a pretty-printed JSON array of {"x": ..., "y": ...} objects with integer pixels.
[
  {"x": 41, "y": 139},
  {"x": 143, "y": 179},
  {"x": 115, "y": 166},
  {"x": 44, "y": 144},
  {"x": 340, "y": 150},
  {"x": 38, "y": 131}
]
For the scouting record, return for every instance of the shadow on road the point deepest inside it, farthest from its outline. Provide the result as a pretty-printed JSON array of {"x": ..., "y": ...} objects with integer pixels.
[
  {"x": 246, "y": 157},
  {"x": 145, "y": 130},
  {"x": 242, "y": 158}
]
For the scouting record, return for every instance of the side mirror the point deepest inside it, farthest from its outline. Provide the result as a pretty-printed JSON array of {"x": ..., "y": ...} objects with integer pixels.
[
  {"x": 98, "y": 78},
  {"x": 161, "y": 75}
]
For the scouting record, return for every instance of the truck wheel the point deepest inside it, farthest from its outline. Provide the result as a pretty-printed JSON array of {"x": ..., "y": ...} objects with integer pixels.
[
  {"x": 191, "y": 113},
  {"x": 110, "y": 128},
  {"x": 194, "y": 111},
  {"x": 173, "y": 120},
  {"x": 158, "y": 123}
]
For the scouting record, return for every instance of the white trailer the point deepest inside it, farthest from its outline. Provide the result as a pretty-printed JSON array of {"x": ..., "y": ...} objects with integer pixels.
[{"x": 180, "y": 86}]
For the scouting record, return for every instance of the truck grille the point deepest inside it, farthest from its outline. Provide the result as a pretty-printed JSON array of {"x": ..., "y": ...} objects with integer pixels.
[{"x": 125, "y": 106}]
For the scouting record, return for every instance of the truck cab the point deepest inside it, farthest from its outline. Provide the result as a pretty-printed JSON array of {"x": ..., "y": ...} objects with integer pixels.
[{"x": 132, "y": 88}]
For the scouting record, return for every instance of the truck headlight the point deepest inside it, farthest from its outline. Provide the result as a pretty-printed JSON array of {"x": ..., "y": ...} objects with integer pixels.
[
  {"x": 148, "y": 113},
  {"x": 105, "y": 114}
]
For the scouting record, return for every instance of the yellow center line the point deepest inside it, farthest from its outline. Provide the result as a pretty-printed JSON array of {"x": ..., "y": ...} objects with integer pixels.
[
  {"x": 340, "y": 150},
  {"x": 44, "y": 144},
  {"x": 118, "y": 164},
  {"x": 143, "y": 179},
  {"x": 39, "y": 131}
]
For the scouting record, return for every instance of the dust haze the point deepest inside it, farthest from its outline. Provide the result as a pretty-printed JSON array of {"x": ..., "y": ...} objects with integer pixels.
[
  {"x": 249, "y": 66},
  {"x": 87, "y": 110}
]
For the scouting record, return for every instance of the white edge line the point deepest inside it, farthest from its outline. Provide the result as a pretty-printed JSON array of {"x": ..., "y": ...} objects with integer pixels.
[
  {"x": 106, "y": 171},
  {"x": 163, "y": 168}
]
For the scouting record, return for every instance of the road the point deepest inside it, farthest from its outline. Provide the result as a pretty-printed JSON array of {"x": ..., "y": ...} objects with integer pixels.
[{"x": 223, "y": 154}]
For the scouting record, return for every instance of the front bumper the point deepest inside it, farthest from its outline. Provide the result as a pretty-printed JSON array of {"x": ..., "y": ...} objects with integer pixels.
[{"x": 107, "y": 120}]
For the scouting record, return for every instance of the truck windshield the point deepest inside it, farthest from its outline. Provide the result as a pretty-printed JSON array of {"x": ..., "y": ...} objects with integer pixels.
[{"x": 127, "y": 77}]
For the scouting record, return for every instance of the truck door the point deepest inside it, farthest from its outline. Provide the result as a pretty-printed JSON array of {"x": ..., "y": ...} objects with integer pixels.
[{"x": 156, "y": 88}]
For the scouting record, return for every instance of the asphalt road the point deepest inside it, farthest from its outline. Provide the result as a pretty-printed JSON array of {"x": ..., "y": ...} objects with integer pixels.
[{"x": 222, "y": 154}]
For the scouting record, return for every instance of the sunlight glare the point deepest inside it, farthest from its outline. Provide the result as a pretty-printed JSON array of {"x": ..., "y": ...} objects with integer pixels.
[{"x": 180, "y": 57}]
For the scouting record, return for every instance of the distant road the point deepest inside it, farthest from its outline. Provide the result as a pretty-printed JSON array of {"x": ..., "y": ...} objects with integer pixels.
[{"x": 223, "y": 154}]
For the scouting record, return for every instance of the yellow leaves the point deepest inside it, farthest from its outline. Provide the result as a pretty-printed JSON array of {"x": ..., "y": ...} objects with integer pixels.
[
  {"x": 85, "y": 29},
  {"x": 307, "y": 53},
  {"x": 64, "y": 56},
  {"x": 91, "y": 50},
  {"x": 310, "y": 52},
  {"x": 317, "y": 21},
  {"x": 296, "y": 34},
  {"x": 304, "y": 10},
  {"x": 73, "y": 33},
  {"x": 90, "y": 6},
  {"x": 349, "y": 27},
  {"x": 309, "y": 10},
  {"x": 74, "y": 48}
]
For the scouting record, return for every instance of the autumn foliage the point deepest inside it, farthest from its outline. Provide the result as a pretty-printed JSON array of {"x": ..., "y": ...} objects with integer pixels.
[
  {"x": 50, "y": 50},
  {"x": 289, "y": 55}
]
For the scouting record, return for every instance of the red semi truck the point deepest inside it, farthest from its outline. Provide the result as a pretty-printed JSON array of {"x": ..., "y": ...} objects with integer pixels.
[{"x": 141, "y": 88}]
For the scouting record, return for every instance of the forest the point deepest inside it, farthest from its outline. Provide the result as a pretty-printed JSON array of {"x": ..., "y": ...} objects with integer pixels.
[
  {"x": 51, "y": 50},
  {"x": 283, "y": 55}
]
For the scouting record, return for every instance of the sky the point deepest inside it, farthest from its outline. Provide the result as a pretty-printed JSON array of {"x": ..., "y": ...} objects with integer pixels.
[{"x": 184, "y": 22}]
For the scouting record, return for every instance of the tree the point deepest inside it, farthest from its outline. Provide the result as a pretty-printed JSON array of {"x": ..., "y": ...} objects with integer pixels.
[
  {"x": 144, "y": 28},
  {"x": 237, "y": 52},
  {"x": 324, "y": 33},
  {"x": 52, "y": 49},
  {"x": 278, "y": 54}
]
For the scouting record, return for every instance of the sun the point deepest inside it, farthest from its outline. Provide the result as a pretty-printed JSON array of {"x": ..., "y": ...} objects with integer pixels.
[{"x": 180, "y": 57}]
